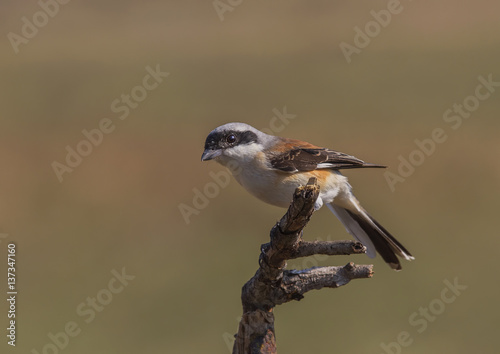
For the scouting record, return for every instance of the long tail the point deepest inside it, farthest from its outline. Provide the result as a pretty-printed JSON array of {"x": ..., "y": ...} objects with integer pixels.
[{"x": 369, "y": 232}]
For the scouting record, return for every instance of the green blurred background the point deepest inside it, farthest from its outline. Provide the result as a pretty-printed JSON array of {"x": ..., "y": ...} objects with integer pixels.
[{"x": 120, "y": 206}]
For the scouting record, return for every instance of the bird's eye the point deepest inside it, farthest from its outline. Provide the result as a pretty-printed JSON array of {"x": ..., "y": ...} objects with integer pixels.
[{"x": 231, "y": 138}]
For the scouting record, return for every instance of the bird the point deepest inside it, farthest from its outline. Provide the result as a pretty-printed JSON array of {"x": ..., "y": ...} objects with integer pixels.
[{"x": 271, "y": 168}]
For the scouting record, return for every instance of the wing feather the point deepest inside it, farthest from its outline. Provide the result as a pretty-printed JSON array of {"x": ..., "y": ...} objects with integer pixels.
[{"x": 307, "y": 157}]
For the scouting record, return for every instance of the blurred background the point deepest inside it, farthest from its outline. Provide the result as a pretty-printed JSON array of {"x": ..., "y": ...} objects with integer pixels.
[{"x": 131, "y": 205}]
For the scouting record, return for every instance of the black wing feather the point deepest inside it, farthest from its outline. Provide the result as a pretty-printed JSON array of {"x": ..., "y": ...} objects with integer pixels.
[{"x": 308, "y": 159}]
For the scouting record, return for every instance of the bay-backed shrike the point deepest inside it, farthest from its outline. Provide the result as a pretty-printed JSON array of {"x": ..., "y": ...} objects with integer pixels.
[{"x": 271, "y": 168}]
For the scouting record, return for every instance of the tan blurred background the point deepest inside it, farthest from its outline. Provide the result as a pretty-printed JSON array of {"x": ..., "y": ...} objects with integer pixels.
[{"x": 120, "y": 206}]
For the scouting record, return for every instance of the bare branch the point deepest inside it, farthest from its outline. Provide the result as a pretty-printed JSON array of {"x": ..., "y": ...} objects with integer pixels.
[
  {"x": 331, "y": 248},
  {"x": 286, "y": 234},
  {"x": 298, "y": 282},
  {"x": 273, "y": 285}
]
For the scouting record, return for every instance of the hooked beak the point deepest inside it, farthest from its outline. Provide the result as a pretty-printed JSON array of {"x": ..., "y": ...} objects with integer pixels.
[{"x": 210, "y": 154}]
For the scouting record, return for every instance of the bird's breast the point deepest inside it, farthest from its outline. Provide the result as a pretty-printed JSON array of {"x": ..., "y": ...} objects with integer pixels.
[{"x": 276, "y": 187}]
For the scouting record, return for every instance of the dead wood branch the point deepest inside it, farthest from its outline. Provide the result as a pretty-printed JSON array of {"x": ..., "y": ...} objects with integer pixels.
[{"x": 273, "y": 285}]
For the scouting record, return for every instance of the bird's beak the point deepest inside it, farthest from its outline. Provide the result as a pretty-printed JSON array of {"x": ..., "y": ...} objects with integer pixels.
[{"x": 210, "y": 154}]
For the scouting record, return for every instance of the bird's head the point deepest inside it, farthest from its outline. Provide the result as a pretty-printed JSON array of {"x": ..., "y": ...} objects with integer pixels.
[{"x": 235, "y": 142}]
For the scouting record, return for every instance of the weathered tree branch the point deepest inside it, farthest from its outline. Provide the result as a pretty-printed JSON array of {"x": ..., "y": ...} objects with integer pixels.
[
  {"x": 273, "y": 285},
  {"x": 330, "y": 248}
]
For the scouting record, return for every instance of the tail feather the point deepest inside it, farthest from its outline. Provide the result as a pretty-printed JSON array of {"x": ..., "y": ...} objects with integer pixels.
[
  {"x": 396, "y": 245},
  {"x": 370, "y": 233},
  {"x": 354, "y": 228}
]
